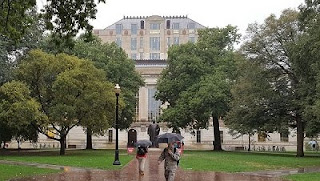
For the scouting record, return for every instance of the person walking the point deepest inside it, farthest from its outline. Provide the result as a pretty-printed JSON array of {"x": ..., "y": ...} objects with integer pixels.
[
  {"x": 141, "y": 157},
  {"x": 171, "y": 156}
]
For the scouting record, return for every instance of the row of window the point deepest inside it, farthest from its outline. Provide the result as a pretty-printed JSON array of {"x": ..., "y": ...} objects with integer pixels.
[
  {"x": 153, "y": 26},
  {"x": 154, "y": 42},
  {"x": 153, "y": 56}
]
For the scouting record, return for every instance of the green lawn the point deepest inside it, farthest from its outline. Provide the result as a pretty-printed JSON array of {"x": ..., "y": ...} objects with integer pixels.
[
  {"x": 101, "y": 159},
  {"x": 12, "y": 171},
  {"x": 304, "y": 177},
  {"x": 244, "y": 161}
]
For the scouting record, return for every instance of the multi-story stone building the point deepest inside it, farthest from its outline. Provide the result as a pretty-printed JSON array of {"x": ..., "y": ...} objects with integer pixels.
[{"x": 146, "y": 40}]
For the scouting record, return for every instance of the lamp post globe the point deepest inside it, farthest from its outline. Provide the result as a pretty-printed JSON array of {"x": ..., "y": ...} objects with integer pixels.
[{"x": 116, "y": 154}]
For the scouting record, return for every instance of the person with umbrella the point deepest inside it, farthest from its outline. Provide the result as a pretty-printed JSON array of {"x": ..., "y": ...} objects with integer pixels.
[
  {"x": 170, "y": 154},
  {"x": 142, "y": 150}
]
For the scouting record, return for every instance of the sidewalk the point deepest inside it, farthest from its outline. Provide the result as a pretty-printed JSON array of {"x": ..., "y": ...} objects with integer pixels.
[{"x": 153, "y": 172}]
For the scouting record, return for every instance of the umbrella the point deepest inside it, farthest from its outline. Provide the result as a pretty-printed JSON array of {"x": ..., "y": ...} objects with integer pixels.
[
  {"x": 143, "y": 143},
  {"x": 169, "y": 137}
]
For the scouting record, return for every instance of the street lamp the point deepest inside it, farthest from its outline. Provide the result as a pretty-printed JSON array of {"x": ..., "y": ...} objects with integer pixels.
[{"x": 116, "y": 154}]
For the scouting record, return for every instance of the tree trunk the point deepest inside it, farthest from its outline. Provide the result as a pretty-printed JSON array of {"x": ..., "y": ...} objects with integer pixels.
[
  {"x": 89, "y": 139},
  {"x": 63, "y": 145},
  {"x": 300, "y": 136},
  {"x": 249, "y": 148},
  {"x": 217, "y": 139}
]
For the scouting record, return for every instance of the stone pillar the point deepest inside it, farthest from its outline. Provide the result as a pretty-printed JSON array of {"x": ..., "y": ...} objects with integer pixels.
[{"x": 143, "y": 104}]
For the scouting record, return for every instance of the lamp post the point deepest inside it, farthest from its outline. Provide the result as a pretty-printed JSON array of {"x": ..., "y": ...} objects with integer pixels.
[{"x": 116, "y": 154}]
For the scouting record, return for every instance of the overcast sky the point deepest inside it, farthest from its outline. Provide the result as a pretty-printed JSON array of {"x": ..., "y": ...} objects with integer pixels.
[{"x": 210, "y": 13}]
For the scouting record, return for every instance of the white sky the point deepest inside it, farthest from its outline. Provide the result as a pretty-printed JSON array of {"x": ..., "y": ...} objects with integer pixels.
[{"x": 210, "y": 13}]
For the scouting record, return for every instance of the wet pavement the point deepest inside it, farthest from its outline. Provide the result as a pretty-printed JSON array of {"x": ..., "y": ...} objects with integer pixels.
[{"x": 153, "y": 172}]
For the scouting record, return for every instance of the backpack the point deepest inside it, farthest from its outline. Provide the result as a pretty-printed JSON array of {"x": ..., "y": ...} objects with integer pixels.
[{"x": 141, "y": 151}]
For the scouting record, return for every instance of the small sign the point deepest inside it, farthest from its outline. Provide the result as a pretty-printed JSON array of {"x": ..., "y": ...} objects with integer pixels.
[{"x": 130, "y": 149}]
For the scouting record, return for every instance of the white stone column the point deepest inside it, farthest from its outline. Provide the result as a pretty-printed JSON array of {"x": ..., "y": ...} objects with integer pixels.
[{"x": 143, "y": 104}]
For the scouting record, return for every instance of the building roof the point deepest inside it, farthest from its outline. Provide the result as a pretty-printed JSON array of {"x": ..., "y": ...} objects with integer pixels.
[{"x": 182, "y": 20}]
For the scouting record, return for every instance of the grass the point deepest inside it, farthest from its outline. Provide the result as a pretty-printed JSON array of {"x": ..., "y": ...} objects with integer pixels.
[
  {"x": 13, "y": 171},
  {"x": 244, "y": 161},
  {"x": 303, "y": 177},
  {"x": 99, "y": 159}
]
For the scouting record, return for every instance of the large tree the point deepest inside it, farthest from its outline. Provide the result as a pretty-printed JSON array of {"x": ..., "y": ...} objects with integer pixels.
[
  {"x": 196, "y": 83},
  {"x": 71, "y": 92},
  {"x": 17, "y": 113},
  {"x": 306, "y": 55},
  {"x": 279, "y": 46},
  {"x": 119, "y": 69},
  {"x": 257, "y": 104}
]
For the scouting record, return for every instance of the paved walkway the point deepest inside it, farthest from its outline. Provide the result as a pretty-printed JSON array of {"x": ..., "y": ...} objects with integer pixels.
[{"x": 153, "y": 172}]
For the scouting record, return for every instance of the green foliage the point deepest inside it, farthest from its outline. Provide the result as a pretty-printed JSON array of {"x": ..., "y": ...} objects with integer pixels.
[
  {"x": 14, "y": 18},
  {"x": 64, "y": 18},
  {"x": 118, "y": 70},
  {"x": 18, "y": 112},
  {"x": 197, "y": 81},
  {"x": 12, "y": 50},
  {"x": 71, "y": 92}
]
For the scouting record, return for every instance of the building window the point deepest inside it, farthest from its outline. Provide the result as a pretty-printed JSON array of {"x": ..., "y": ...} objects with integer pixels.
[
  {"x": 191, "y": 26},
  {"x": 168, "y": 42},
  {"x": 221, "y": 136},
  {"x": 154, "y": 56},
  {"x": 134, "y": 29},
  {"x": 141, "y": 42},
  {"x": 175, "y": 26},
  {"x": 154, "y": 26},
  {"x": 155, "y": 43},
  {"x": 168, "y": 24},
  {"x": 284, "y": 137},
  {"x": 133, "y": 43},
  {"x": 141, "y": 24},
  {"x": 192, "y": 39},
  {"x": 153, "y": 105},
  {"x": 198, "y": 136},
  {"x": 141, "y": 55},
  {"x": 118, "y": 41},
  {"x": 110, "y": 133},
  {"x": 262, "y": 137},
  {"x": 176, "y": 40},
  {"x": 133, "y": 56},
  {"x": 118, "y": 29}
]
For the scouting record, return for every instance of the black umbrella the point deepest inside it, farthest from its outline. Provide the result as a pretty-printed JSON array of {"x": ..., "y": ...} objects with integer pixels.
[
  {"x": 169, "y": 137},
  {"x": 143, "y": 143}
]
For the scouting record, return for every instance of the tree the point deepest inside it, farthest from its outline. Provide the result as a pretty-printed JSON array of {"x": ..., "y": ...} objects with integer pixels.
[
  {"x": 63, "y": 17},
  {"x": 17, "y": 112},
  {"x": 276, "y": 47},
  {"x": 71, "y": 92},
  {"x": 196, "y": 82},
  {"x": 118, "y": 69},
  {"x": 306, "y": 56},
  {"x": 11, "y": 51},
  {"x": 257, "y": 105},
  {"x": 14, "y": 18}
]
